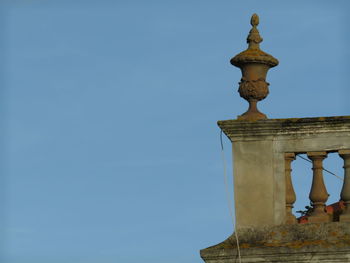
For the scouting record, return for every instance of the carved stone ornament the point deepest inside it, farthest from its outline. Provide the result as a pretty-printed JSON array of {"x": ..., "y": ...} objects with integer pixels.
[{"x": 254, "y": 64}]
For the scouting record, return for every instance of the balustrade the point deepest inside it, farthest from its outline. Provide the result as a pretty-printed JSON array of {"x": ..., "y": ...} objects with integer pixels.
[
  {"x": 290, "y": 194},
  {"x": 345, "y": 192},
  {"x": 318, "y": 193}
]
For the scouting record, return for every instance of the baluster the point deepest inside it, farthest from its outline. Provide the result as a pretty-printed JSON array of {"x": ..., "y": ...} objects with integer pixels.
[
  {"x": 318, "y": 194},
  {"x": 290, "y": 194},
  {"x": 345, "y": 192}
]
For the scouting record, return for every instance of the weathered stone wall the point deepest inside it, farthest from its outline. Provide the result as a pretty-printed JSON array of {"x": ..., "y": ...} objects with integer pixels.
[
  {"x": 258, "y": 160},
  {"x": 259, "y": 149},
  {"x": 317, "y": 242}
]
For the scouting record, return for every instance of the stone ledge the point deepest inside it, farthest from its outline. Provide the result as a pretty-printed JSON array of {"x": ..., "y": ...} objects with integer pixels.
[
  {"x": 279, "y": 256},
  {"x": 238, "y": 129},
  {"x": 327, "y": 242}
]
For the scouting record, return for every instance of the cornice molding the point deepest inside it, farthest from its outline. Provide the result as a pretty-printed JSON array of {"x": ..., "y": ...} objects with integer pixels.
[{"x": 291, "y": 127}]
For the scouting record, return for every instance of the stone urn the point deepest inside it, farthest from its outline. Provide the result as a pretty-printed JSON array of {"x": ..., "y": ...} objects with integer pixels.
[{"x": 254, "y": 64}]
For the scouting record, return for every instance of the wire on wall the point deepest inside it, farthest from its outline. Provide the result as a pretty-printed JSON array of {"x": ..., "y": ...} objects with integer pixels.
[{"x": 228, "y": 195}]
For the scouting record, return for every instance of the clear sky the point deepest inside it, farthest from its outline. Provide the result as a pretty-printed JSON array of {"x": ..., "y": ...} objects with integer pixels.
[{"x": 110, "y": 148}]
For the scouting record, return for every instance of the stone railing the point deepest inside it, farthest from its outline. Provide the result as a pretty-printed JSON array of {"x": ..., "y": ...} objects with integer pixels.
[
  {"x": 266, "y": 230},
  {"x": 262, "y": 155},
  {"x": 318, "y": 193}
]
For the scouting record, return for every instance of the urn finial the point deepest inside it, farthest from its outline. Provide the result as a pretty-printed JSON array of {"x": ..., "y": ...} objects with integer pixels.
[
  {"x": 254, "y": 21},
  {"x": 254, "y": 38},
  {"x": 254, "y": 64}
]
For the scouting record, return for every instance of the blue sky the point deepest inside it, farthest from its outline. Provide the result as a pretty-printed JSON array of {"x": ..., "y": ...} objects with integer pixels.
[{"x": 110, "y": 149}]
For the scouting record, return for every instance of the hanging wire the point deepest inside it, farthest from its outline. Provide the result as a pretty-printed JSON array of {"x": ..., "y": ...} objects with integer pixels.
[
  {"x": 228, "y": 196},
  {"x": 322, "y": 167}
]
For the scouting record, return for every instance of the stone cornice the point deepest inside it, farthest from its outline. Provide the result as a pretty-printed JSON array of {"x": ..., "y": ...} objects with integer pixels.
[
  {"x": 325, "y": 242},
  {"x": 291, "y": 127}
]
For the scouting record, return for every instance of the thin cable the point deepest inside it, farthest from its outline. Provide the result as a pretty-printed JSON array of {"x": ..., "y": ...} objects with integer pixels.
[
  {"x": 322, "y": 167},
  {"x": 228, "y": 196},
  {"x": 226, "y": 180}
]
